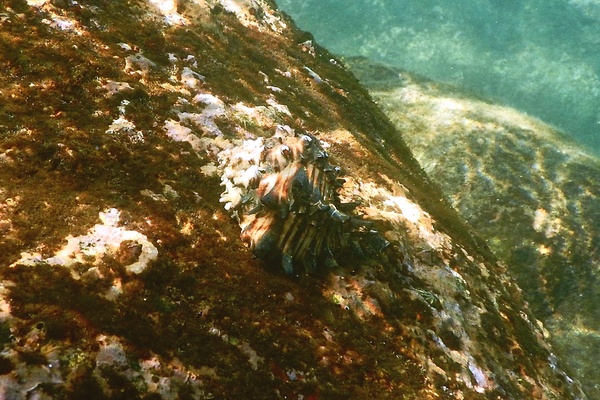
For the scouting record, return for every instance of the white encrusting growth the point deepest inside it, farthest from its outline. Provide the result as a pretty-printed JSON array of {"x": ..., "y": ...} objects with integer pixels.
[
  {"x": 191, "y": 78},
  {"x": 410, "y": 210},
  {"x": 101, "y": 240},
  {"x": 168, "y": 8},
  {"x": 314, "y": 75},
  {"x": 56, "y": 21},
  {"x": 138, "y": 64},
  {"x": 240, "y": 166},
  {"x": 114, "y": 87},
  {"x": 245, "y": 12},
  {"x": 180, "y": 133},
  {"x": 123, "y": 126},
  {"x": 399, "y": 210},
  {"x": 213, "y": 108}
]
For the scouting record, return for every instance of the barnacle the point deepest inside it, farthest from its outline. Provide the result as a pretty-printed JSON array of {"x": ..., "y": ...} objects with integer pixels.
[{"x": 285, "y": 193}]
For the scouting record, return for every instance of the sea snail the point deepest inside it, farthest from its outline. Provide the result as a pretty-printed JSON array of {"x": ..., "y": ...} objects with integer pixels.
[{"x": 284, "y": 192}]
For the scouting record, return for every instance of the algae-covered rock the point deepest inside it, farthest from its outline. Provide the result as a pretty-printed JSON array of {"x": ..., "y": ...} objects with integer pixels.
[
  {"x": 525, "y": 187},
  {"x": 124, "y": 276}
]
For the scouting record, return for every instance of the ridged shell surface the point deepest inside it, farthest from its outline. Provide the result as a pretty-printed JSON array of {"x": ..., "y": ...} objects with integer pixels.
[{"x": 284, "y": 192}]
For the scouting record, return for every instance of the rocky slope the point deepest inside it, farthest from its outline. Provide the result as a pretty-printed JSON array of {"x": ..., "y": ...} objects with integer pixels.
[
  {"x": 530, "y": 191},
  {"x": 135, "y": 134}
]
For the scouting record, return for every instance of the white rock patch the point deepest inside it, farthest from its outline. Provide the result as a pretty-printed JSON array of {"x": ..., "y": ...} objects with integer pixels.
[{"x": 103, "y": 239}]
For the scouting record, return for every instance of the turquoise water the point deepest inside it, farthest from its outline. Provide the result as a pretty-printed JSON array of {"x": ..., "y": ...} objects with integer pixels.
[{"x": 540, "y": 56}]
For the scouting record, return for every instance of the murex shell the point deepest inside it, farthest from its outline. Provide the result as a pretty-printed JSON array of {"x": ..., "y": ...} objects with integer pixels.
[{"x": 284, "y": 192}]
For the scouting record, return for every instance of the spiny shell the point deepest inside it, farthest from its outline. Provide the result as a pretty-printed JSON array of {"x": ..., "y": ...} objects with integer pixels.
[{"x": 285, "y": 193}]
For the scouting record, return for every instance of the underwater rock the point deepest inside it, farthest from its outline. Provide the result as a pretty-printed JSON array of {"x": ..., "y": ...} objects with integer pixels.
[
  {"x": 528, "y": 189},
  {"x": 163, "y": 299}
]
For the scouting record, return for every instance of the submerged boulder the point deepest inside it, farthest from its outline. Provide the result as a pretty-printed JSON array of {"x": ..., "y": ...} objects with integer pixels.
[
  {"x": 123, "y": 273},
  {"x": 528, "y": 189}
]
